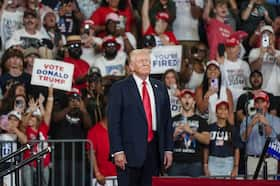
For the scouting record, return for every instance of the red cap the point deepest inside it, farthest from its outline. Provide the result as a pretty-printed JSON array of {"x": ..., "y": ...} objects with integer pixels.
[
  {"x": 186, "y": 91},
  {"x": 232, "y": 41},
  {"x": 163, "y": 15},
  {"x": 235, "y": 38},
  {"x": 75, "y": 92},
  {"x": 112, "y": 16},
  {"x": 222, "y": 102},
  {"x": 110, "y": 39},
  {"x": 261, "y": 95},
  {"x": 88, "y": 22}
]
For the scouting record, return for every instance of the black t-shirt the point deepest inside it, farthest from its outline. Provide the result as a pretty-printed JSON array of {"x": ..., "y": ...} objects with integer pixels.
[
  {"x": 70, "y": 128},
  {"x": 256, "y": 16},
  {"x": 7, "y": 78},
  {"x": 223, "y": 141},
  {"x": 241, "y": 103},
  {"x": 186, "y": 148}
]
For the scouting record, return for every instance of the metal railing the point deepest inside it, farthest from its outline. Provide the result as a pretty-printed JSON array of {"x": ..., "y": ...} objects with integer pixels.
[{"x": 70, "y": 163}]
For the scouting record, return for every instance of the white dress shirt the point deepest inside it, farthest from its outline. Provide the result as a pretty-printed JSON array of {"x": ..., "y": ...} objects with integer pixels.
[{"x": 139, "y": 83}]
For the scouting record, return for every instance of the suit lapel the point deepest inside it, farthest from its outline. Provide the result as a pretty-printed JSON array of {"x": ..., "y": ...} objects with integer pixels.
[{"x": 136, "y": 95}]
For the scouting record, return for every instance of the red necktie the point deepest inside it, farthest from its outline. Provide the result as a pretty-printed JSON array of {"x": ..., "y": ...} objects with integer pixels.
[{"x": 148, "y": 110}]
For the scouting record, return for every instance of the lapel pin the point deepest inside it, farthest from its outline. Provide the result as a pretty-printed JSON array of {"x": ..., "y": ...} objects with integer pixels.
[{"x": 156, "y": 85}]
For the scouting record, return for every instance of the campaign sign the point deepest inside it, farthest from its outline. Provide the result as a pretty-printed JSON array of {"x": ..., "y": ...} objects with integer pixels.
[
  {"x": 274, "y": 149},
  {"x": 51, "y": 72},
  {"x": 166, "y": 57}
]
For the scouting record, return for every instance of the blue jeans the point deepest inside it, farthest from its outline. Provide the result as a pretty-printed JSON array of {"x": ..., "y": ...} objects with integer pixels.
[
  {"x": 220, "y": 166},
  {"x": 29, "y": 174},
  {"x": 185, "y": 169}
]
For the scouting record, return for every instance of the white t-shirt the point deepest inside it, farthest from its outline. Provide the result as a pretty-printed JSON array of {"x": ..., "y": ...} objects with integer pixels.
[
  {"x": 213, "y": 99},
  {"x": 130, "y": 38},
  {"x": 20, "y": 35},
  {"x": 6, "y": 149},
  {"x": 185, "y": 26},
  {"x": 10, "y": 22},
  {"x": 270, "y": 71},
  {"x": 89, "y": 54},
  {"x": 112, "y": 67},
  {"x": 235, "y": 77}
]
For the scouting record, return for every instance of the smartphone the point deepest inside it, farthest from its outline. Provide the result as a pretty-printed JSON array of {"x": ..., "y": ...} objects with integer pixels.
[
  {"x": 86, "y": 29},
  {"x": 221, "y": 49},
  {"x": 215, "y": 83},
  {"x": 265, "y": 40}
]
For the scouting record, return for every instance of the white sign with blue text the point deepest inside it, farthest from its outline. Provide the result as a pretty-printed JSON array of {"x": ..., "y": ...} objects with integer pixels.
[
  {"x": 51, "y": 72},
  {"x": 166, "y": 57}
]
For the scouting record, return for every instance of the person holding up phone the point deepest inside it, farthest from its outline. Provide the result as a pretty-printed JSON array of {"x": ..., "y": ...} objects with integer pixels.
[
  {"x": 210, "y": 91},
  {"x": 266, "y": 59}
]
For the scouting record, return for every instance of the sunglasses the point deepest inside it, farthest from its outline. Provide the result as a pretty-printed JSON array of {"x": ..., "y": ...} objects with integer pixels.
[
  {"x": 110, "y": 44},
  {"x": 74, "y": 45}
]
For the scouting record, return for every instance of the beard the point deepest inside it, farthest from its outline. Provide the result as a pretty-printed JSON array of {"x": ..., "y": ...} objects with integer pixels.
[{"x": 75, "y": 53}]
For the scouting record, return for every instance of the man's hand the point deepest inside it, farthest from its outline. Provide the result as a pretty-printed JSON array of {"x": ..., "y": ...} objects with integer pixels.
[
  {"x": 100, "y": 178},
  {"x": 120, "y": 160},
  {"x": 168, "y": 158}
]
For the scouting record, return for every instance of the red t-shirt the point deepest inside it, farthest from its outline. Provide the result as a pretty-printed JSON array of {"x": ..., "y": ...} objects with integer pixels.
[
  {"x": 217, "y": 32},
  {"x": 99, "y": 16},
  {"x": 80, "y": 70},
  {"x": 169, "y": 34},
  {"x": 40, "y": 134},
  {"x": 98, "y": 135}
]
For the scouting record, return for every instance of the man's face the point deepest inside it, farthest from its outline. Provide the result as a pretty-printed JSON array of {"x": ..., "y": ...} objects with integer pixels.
[
  {"x": 256, "y": 81},
  {"x": 75, "y": 50},
  {"x": 50, "y": 20},
  {"x": 233, "y": 52},
  {"x": 221, "y": 10},
  {"x": 188, "y": 103},
  {"x": 160, "y": 26},
  {"x": 141, "y": 65},
  {"x": 111, "y": 49},
  {"x": 30, "y": 22},
  {"x": 112, "y": 27},
  {"x": 201, "y": 52},
  {"x": 261, "y": 104}
]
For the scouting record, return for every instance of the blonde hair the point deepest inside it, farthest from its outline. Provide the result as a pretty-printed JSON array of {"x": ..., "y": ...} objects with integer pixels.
[{"x": 135, "y": 53}]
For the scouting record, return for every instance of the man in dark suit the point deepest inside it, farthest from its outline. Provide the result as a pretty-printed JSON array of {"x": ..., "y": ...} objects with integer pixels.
[{"x": 139, "y": 123}]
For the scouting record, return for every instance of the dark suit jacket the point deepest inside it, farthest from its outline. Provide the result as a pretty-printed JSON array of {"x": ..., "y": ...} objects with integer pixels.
[{"x": 127, "y": 120}]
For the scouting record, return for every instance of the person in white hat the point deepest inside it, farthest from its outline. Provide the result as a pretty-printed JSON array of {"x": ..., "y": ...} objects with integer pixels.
[
  {"x": 266, "y": 59},
  {"x": 210, "y": 91},
  {"x": 11, "y": 134}
]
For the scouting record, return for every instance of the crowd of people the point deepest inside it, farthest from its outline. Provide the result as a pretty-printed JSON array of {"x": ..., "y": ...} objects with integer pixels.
[{"x": 226, "y": 93}]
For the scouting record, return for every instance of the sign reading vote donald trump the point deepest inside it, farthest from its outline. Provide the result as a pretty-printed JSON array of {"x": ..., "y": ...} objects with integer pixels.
[
  {"x": 51, "y": 72},
  {"x": 166, "y": 57}
]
